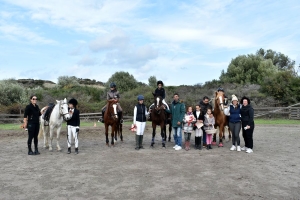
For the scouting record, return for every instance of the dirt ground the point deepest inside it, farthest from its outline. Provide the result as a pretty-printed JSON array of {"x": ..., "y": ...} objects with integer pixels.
[{"x": 101, "y": 172}]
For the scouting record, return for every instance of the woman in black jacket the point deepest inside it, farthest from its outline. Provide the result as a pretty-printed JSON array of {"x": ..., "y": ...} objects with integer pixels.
[
  {"x": 247, "y": 116},
  {"x": 32, "y": 123}
]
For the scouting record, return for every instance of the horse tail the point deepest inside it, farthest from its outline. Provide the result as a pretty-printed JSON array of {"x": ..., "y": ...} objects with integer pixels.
[{"x": 40, "y": 131}]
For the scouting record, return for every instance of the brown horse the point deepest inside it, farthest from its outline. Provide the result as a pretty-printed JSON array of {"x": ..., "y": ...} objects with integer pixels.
[
  {"x": 221, "y": 120},
  {"x": 158, "y": 117},
  {"x": 111, "y": 118}
]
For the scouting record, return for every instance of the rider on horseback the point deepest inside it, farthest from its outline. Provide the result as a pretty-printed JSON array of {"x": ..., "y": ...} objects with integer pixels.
[
  {"x": 113, "y": 94},
  {"x": 160, "y": 91}
]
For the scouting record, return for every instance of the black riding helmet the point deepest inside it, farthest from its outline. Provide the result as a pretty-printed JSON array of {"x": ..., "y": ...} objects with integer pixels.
[
  {"x": 112, "y": 85},
  {"x": 73, "y": 102},
  {"x": 159, "y": 82},
  {"x": 220, "y": 89}
]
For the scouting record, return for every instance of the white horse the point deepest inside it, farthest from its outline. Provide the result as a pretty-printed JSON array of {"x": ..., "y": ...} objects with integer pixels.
[{"x": 59, "y": 113}]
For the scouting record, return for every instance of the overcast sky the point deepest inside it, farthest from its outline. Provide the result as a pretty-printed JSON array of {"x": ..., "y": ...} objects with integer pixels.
[{"x": 179, "y": 42}]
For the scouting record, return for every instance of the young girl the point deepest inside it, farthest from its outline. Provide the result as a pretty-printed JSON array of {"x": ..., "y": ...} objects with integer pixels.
[
  {"x": 73, "y": 125},
  {"x": 188, "y": 123},
  {"x": 139, "y": 121},
  {"x": 198, "y": 129},
  {"x": 209, "y": 122}
]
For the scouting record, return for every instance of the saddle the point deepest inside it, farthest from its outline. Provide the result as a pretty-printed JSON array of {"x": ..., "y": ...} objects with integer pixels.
[{"x": 47, "y": 114}]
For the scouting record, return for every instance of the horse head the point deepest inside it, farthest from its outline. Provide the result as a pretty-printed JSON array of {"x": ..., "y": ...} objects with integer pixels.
[
  {"x": 112, "y": 108},
  {"x": 220, "y": 100},
  {"x": 63, "y": 109}
]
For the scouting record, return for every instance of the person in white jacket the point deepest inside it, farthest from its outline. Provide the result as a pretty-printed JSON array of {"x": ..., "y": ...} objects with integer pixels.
[{"x": 139, "y": 120}]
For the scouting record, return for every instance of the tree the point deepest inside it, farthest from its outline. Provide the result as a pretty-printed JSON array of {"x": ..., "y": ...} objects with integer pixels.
[
  {"x": 152, "y": 81},
  {"x": 67, "y": 82},
  {"x": 123, "y": 80}
]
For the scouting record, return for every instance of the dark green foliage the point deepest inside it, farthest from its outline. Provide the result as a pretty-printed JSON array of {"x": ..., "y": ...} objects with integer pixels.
[{"x": 123, "y": 80}]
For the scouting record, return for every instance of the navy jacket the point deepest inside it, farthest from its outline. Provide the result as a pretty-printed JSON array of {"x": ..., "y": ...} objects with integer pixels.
[
  {"x": 234, "y": 114},
  {"x": 32, "y": 113},
  {"x": 75, "y": 120},
  {"x": 160, "y": 92},
  {"x": 140, "y": 113}
]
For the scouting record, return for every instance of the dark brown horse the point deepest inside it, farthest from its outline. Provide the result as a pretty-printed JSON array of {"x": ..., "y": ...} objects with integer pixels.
[
  {"x": 158, "y": 117},
  {"x": 221, "y": 120},
  {"x": 111, "y": 118}
]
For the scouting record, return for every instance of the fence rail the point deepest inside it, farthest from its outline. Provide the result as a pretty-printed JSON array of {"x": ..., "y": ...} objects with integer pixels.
[{"x": 266, "y": 112}]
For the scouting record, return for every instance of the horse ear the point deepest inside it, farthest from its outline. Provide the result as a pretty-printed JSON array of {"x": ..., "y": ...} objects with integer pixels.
[
  {"x": 216, "y": 93},
  {"x": 65, "y": 100},
  {"x": 57, "y": 101}
]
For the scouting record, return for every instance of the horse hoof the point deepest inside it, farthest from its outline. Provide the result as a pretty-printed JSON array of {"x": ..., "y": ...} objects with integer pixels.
[
  {"x": 214, "y": 143},
  {"x": 220, "y": 145},
  {"x": 50, "y": 150}
]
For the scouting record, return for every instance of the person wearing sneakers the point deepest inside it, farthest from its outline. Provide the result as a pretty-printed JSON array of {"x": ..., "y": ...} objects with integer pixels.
[
  {"x": 177, "y": 109},
  {"x": 139, "y": 120},
  {"x": 188, "y": 122},
  {"x": 234, "y": 113},
  {"x": 73, "y": 125},
  {"x": 247, "y": 115}
]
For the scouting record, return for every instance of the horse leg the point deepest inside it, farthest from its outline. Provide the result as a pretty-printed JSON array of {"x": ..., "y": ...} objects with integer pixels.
[
  {"x": 113, "y": 131},
  {"x": 163, "y": 135},
  {"x": 50, "y": 138},
  {"x": 221, "y": 130},
  {"x": 170, "y": 131},
  {"x": 121, "y": 136},
  {"x": 57, "y": 138},
  {"x": 153, "y": 135},
  {"x": 106, "y": 135}
]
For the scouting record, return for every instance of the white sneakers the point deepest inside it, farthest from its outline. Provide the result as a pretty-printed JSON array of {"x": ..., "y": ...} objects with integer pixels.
[
  {"x": 233, "y": 148},
  {"x": 238, "y": 148},
  {"x": 175, "y": 146},
  {"x": 178, "y": 148},
  {"x": 244, "y": 148},
  {"x": 249, "y": 150}
]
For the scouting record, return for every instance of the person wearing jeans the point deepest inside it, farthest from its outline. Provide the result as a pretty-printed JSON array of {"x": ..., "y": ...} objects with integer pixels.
[
  {"x": 234, "y": 113},
  {"x": 177, "y": 109},
  {"x": 247, "y": 115}
]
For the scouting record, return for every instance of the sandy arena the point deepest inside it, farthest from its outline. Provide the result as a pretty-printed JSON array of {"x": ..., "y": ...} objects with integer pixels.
[{"x": 121, "y": 172}]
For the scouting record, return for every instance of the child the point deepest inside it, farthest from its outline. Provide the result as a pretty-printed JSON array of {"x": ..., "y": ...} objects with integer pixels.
[
  {"x": 73, "y": 125},
  {"x": 160, "y": 91},
  {"x": 198, "y": 129},
  {"x": 209, "y": 122},
  {"x": 188, "y": 123},
  {"x": 139, "y": 121}
]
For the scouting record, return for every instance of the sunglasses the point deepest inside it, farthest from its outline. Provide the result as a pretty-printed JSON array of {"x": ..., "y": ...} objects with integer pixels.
[{"x": 34, "y": 99}]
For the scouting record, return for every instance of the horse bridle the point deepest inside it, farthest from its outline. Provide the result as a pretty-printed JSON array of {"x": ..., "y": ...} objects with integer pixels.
[
  {"x": 113, "y": 114},
  {"x": 61, "y": 110}
]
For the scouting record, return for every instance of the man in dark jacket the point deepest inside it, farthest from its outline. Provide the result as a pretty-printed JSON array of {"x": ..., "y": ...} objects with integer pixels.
[{"x": 177, "y": 109}]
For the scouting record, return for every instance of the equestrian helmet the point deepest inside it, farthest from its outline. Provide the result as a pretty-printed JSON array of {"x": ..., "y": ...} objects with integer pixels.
[
  {"x": 140, "y": 97},
  {"x": 73, "y": 101},
  {"x": 159, "y": 82},
  {"x": 112, "y": 85},
  {"x": 220, "y": 89}
]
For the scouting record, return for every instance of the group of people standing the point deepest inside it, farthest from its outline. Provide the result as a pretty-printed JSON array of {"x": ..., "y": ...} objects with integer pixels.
[{"x": 200, "y": 120}]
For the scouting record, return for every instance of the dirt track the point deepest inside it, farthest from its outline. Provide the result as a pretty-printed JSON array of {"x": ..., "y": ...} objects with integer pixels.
[{"x": 100, "y": 172}]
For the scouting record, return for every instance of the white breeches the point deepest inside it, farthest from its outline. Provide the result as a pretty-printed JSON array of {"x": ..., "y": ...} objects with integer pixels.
[
  {"x": 140, "y": 128},
  {"x": 72, "y": 131},
  {"x": 164, "y": 102},
  {"x": 198, "y": 132}
]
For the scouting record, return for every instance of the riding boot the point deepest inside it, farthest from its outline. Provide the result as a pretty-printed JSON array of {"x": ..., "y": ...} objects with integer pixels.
[
  {"x": 69, "y": 150},
  {"x": 121, "y": 117},
  {"x": 36, "y": 152},
  {"x": 102, "y": 119},
  {"x": 137, "y": 142},
  {"x": 209, "y": 146},
  {"x": 30, "y": 152},
  {"x": 200, "y": 146},
  {"x": 76, "y": 150},
  {"x": 141, "y": 142}
]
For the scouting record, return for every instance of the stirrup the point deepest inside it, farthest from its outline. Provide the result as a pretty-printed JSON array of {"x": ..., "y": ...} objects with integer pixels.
[{"x": 46, "y": 123}]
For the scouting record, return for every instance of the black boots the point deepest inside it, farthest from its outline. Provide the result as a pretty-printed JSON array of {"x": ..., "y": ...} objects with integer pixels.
[
  {"x": 196, "y": 142},
  {"x": 137, "y": 142},
  {"x": 208, "y": 146},
  {"x": 199, "y": 143},
  {"x": 69, "y": 150},
  {"x": 76, "y": 150},
  {"x": 141, "y": 142},
  {"x": 30, "y": 152},
  {"x": 36, "y": 152}
]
